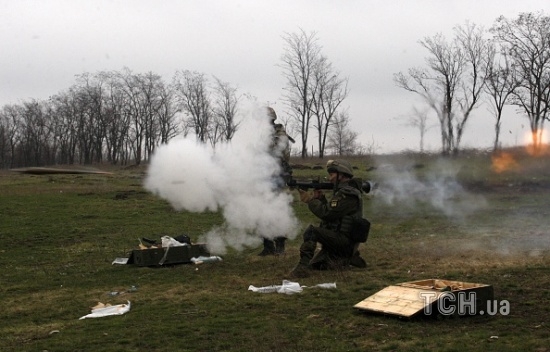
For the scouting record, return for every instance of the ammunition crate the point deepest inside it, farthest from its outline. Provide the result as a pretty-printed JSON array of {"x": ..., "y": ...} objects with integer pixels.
[
  {"x": 159, "y": 256},
  {"x": 430, "y": 297}
]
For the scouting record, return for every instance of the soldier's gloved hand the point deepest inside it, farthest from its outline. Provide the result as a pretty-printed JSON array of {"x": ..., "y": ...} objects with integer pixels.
[
  {"x": 317, "y": 194},
  {"x": 305, "y": 196}
]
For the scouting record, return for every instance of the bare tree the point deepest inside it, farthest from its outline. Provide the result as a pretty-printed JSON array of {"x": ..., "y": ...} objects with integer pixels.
[
  {"x": 453, "y": 80},
  {"x": 500, "y": 84},
  {"x": 419, "y": 119},
  {"x": 35, "y": 132},
  {"x": 152, "y": 94},
  {"x": 330, "y": 92},
  {"x": 194, "y": 99},
  {"x": 167, "y": 112},
  {"x": 526, "y": 41},
  {"x": 92, "y": 126},
  {"x": 299, "y": 62},
  {"x": 9, "y": 129},
  {"x": 66, "y": 110},
  {"x": 471, "y": 41},
  {"x": 225, "y": 110},
  {"x": 135, "y": 110},
  {"x": 437, "y": 84},
  {"x": 117, "y": 121},
  {"x": 341, "y": 139}
]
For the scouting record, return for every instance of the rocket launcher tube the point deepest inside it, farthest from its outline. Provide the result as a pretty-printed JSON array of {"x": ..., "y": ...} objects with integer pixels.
[{"x": 366, "y": 186}]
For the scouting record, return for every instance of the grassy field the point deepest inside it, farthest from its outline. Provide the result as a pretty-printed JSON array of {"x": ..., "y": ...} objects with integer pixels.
[{"x": 478, "y": 218}]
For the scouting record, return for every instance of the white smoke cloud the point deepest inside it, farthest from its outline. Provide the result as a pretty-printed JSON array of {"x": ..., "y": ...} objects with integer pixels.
[
  {"x": 520, "y": 228},
  {"x": 235, "y": 178},
  {"x": 438, "y": 188}
]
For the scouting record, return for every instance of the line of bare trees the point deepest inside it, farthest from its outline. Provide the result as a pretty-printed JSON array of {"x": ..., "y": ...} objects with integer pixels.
[
  {"x": 116, "y": 117},
  {"x": 121, "y": 117},
  {"x": 510, "y": 68}
]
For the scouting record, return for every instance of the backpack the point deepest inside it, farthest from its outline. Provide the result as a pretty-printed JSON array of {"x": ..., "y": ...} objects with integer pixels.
[{"x": 360, "y": 230}]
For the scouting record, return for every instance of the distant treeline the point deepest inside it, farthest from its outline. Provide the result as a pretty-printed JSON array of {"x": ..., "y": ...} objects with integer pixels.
[
  {"x": 115, "y": 117},
  {"x": 121, "y": 117}
]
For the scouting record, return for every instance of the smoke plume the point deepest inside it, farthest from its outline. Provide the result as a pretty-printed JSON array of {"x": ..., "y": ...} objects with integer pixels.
[
  {"x": 236, "y": 178},
  {"x": 438, "y": 188},
  {"x": 519, "y": 227}
]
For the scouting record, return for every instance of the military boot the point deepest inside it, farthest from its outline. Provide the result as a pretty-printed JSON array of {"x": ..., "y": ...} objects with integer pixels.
[
  {"x": 357, "y": 261},
  {"x": 269, "y": 248},
  {"x": 300, "y": 271},
  {"x": 280, "y": 245}
]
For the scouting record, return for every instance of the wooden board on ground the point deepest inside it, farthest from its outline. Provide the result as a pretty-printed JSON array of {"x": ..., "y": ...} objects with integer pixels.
[{"x": 409, "y": 299}]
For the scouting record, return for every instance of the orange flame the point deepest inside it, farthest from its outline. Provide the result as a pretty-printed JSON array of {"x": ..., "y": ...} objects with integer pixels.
[
  {"x": 503, "y": 162},
  {"x": 536, "y": 143}
]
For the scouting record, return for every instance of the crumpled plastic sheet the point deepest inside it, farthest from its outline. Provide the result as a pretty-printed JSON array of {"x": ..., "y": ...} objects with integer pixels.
[
  {"x": 288, "y": 287},
  {"x": 203, "y": 259},
  {"x": 168, "y": 241},
  {"x": 110, "y": 310}
]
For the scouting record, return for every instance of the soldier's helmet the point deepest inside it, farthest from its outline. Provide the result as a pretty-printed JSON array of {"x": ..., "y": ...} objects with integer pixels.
[
  {"x": 271, "y": 113},
  {"x": 340, "y": 166}
]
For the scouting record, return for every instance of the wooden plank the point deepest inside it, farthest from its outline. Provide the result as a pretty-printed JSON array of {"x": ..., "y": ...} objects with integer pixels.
[
  {"x": 441, "y": 284},
  {"x": 398, "y": 300}
]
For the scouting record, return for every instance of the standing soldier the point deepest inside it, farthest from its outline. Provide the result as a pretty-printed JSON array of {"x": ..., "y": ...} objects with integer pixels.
[{"x": 280, "y": 149}]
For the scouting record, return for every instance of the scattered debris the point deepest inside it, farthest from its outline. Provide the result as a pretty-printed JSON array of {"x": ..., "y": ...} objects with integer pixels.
[
  {"x": 122, "y": 261},
  {"x": 327, "y": 285},
  {"x": 132, "y": 289},
  {"x": 202, "y": 259},
  {"x": 167, "y": 251},
  {"x": 168, "y": 241},
  {"x": 103, "y": 310},
  {"x": 288, "y": 287}
]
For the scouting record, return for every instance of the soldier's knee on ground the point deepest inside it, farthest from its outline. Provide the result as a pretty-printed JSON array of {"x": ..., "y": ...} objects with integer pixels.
[{"x": 308, "y": 246}]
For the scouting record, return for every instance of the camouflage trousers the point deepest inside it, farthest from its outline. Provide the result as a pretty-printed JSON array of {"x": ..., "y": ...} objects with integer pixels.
[{"x": 336, "y": 250}]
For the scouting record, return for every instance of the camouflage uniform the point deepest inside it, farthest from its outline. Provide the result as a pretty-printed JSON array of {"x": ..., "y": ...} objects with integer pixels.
[
  {"x": 337, "y": 218},
  {"x": 280, "y": 149}
]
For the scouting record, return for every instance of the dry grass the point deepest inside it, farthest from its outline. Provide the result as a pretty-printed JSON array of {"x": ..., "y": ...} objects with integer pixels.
[{"x": 59, "y": 235}]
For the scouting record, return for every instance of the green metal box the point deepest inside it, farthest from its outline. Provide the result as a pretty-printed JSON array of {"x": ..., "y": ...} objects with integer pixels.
[{"x": 158, "y": 256}]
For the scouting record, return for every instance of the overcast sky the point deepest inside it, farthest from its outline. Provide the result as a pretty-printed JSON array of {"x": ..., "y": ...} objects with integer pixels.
[{"x": 45, "y": 43}]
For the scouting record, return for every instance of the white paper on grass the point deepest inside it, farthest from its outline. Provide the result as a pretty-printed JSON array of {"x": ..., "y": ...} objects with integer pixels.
[
  {"x": 202, "y": 259},
  {"x": 288, "y": 287},
  {"x": 122, "y": 261},
  {"x": 110, "y": 310}
]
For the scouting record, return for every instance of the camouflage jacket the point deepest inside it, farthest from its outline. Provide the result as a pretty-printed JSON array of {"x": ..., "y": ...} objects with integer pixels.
[
  {"x": 342, "y": 209},
  {"x": 280, "y": 147}
]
